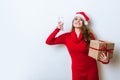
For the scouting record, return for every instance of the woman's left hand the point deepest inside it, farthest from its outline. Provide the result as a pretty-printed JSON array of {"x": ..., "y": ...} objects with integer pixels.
[{"x": 104, "y": 57}]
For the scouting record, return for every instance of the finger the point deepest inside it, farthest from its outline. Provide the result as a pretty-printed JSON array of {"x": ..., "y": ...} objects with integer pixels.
[
  {"x": 104, "y": 54},
  {"x": 59, "y": 22},
  {"x": 101, "y": 55},
  {"x": 99, "y": 58},
  {"x": 61, "y": 25},
  {"x": 107, "y": 54}
]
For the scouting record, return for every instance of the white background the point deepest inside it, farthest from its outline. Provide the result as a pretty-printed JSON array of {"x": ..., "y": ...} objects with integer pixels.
[{"x": 25, "y": 25}]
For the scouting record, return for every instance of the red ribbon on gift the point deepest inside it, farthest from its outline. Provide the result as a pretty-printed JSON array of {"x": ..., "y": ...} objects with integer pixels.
[{"x": 104, "y": 48}]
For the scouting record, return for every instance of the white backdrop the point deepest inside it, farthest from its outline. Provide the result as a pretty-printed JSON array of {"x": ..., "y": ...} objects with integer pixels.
[{"x": 25, "y": 25}]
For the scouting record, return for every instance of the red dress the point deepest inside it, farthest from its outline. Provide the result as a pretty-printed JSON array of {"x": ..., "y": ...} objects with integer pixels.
[{"x": 83, "y": 66}]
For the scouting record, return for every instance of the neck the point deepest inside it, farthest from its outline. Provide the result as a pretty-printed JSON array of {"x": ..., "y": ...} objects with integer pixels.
[{"x": 77, "y": 31}]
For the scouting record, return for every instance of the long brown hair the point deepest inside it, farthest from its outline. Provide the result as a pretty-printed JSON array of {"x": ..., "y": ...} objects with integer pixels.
[{"x": 85, "y": 32}]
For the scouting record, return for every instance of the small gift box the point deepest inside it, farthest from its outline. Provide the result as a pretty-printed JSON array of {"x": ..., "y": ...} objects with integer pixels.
[{"x": 97, "y": 47}]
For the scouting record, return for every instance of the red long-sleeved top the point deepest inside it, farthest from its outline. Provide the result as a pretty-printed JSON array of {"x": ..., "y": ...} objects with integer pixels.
[{"x": 83, "y": 66}]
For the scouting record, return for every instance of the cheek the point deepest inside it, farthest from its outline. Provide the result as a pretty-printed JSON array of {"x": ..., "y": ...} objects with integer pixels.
[
  {"x": 74, "y": 24},
  {"x": 81, "y": 22}
]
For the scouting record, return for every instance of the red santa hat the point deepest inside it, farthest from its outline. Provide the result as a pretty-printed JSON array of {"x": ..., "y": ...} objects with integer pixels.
[{"x": 83, "y": 16}]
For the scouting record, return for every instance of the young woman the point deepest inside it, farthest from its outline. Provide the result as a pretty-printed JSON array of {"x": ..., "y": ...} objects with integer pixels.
[{"x": 77, "y": 42}]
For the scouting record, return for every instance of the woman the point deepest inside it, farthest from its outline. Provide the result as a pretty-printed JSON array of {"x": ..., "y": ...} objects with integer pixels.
[{"x": 77, "y": 42}]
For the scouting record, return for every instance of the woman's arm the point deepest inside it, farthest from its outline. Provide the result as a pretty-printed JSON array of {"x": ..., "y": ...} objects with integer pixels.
[
  {"x": 103, "y": 58},
  {"x": 52, "y": 39}
]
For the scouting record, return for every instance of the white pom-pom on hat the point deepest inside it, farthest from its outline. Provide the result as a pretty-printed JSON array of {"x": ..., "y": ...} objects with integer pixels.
[{"x": 83, "y": 16}]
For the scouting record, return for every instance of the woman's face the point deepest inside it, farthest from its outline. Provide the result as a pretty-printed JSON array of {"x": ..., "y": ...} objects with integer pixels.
[{"x": 77, "y": 22}]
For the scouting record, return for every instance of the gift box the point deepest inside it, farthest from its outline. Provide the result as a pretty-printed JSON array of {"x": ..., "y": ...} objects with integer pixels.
[{"x": 98, "y": 46}]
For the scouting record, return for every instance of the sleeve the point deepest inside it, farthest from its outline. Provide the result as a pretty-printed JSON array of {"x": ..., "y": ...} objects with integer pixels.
[
  {"x": 52, "y": 39},
  {"x": 104, "y": 62}
]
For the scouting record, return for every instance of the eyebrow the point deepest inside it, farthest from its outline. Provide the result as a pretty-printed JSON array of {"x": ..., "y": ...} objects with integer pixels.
[{"x": 79, "y": 18}]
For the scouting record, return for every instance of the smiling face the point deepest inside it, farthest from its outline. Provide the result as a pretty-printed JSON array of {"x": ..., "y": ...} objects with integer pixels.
[{"x": 77, "y": 22}]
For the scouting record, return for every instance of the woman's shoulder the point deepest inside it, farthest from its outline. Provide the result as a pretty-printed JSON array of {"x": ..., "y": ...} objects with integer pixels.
[{"x": 92, "y": 36}]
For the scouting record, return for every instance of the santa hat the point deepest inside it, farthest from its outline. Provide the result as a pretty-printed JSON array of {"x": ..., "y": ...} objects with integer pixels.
[{"x": 83, "y": 16}]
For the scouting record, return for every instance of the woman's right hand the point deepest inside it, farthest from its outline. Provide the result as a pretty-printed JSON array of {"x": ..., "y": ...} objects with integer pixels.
[
  {"x": 60, "y": 25},
  {"x": 104, "y": 58}
]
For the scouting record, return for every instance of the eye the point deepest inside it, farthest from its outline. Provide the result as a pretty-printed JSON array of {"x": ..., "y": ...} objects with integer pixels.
[
  {"x": 81, "y": 19},
  {"x": 75, "y": 18}
]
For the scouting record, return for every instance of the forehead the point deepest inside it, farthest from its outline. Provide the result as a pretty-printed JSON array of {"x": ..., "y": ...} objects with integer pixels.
[{"x": 78, "y": 17}]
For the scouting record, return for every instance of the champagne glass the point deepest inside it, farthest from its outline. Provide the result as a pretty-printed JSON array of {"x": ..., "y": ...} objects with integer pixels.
[{"x": 61, "y": 19}]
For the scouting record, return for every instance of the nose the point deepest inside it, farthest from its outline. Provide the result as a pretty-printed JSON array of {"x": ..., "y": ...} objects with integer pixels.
[{"x": 78, "y": 20}]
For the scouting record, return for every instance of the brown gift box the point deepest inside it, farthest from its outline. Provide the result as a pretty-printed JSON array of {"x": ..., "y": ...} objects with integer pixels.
[{"x": 98, "y": 46}]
